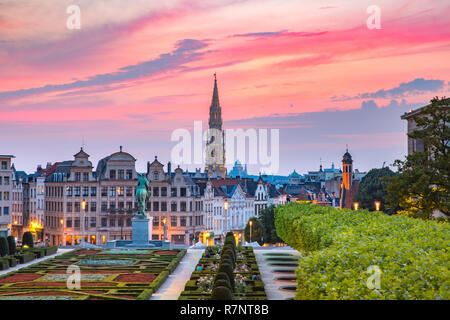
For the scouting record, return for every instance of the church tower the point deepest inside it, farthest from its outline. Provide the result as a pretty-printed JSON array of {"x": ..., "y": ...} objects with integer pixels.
[
  {"x": 215, "y": 144},
  {"x": 347, "y": 170}
]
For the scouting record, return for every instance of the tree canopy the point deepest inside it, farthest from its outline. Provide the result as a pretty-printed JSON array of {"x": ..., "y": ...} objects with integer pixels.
[
  {"x": 257, "y": 233},
  {"x": 423, "y": 185},
  {"x": 372, "y": 188},
  {"x": 267, "y": 218}
]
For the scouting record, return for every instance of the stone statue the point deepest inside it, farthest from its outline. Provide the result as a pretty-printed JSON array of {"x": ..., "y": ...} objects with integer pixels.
[{"x": 141, "y": 194}]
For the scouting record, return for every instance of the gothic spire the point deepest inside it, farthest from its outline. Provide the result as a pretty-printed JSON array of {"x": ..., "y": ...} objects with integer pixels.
[{"x": 215, "y": 112}]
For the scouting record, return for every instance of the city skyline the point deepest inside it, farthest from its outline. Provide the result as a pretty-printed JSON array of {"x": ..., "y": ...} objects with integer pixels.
[{"x": 136, "y": 71}]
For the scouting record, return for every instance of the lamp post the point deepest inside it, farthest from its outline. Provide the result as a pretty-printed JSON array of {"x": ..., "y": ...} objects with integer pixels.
[
  {"x": 356, "y": 205},
  {"x": 83, "y": 206},
  {"x": 225, "y": 206},
  {"x": 377, "y": 205},
  {"x": 62, "y": 231},
  {"x": 250, "y": 222},
  {"x": 165, "y": 229}
]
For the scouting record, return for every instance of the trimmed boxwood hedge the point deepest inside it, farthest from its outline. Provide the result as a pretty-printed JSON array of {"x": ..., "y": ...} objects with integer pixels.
[
  {"x": 4, "y": 263},
  {"x": 50, "y": 250},
  {"x": 340, "y": 246},
  {"x": 25, "y": 257}
]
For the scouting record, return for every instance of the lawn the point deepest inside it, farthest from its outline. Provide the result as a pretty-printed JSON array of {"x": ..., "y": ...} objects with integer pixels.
[{"x": 105, "y": 275}]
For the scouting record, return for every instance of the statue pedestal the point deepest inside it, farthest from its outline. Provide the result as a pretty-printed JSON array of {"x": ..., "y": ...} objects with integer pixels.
[{"x": 141, "y": 230}]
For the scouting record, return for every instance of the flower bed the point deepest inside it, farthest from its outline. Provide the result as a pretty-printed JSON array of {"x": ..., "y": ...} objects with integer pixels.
[
  {"x": 344, "y": 249},
  {"x": 200, "y": 285},
  {"x": 105, "y": 275}
]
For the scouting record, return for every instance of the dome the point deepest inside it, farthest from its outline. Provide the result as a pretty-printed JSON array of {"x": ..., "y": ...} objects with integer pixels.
[
  {"x": 347, "y": 157},
  {"x": 294, "y": 175}
]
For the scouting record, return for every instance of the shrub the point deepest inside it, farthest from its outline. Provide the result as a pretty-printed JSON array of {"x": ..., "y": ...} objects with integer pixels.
[
  {"x": 341, "y": 245},
  {"x": 228, "y": 269},
  {"x": 222, "y": 276},
  {"x": 4, "y": 249},
  {"x": 27, "y": 239},
  {"x": 228, "y": 258},
  {"x": 4, "y": 263},
  {"x": 222, "y": 283},
  {"x": 221, "y": 293},
  {"x": 11, "y": 244}
]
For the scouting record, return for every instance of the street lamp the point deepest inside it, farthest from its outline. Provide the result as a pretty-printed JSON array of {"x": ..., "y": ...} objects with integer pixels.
[
  {"x": 62, "y": 231},
  {"x": 225, "y": 206},
  {"x": 377, "y": 205},
  {"x": 356, "y": 205},
  {"x": 83, "y": 206},
  {"x": 250, "y": 222},
  {"x": 165, "y": 229}
]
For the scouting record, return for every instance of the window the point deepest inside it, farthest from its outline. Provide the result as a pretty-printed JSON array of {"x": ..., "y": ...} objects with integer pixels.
[
  {"x": 93, "y": 222},
  {"x": 104, "y": 191},
  {"x": 155, "y": 206},
  {"x": 6, "y": 211},
  {"x": 69, "y": 191},
  {"x": 130, "y": 205},
  {"x": 182, "y": 192},
  {"x": 112, "y": 222},
  {"x": 173, "y": 221},
  {"x": 129, "y": 222},
  {"x": 121, "y": 205},
  {"x": 69, "y": 206},
  {"x": 6, "y": 181},
  {"x": 183, "y": 206},
  {"x": 173, "y": 206},
  {"x": 85, "y": 191},
  {"x": 112, "y": 191},
  {"x": 1, "y": 180},
  {"x": 155, "y": 175},
  {"x": 129, "y": 191},
  {"x": 121, "y": 174},
  {"x": 183, "y": 221},
  {"x": 163, "y": 191},
  {"x": 112, "y": 174},
  {"x": 77, "y": 207},
  {"x": 93, "y": 206},
  {"x": 77, "y": 191},
  {"x": 68, "y": 222},
  {"x": 104, "y": 222},
  {"x": 6, "y": 195},
  {"x": 77, "y": 176},
  {"x": 120, "y": 191},
  {"x": 4, "y": 165},
  {"x": 129, "y": 174},
  {"x": 156, "y": 221},
  {"x": 120, "y": 222},
  {"x": 173, "y": 192},
  {"x": 93, "y": 191},
  {"x": 112, "y": 205},
  {"x": 163, "y": 206},
  {"x": 85, "y": 176},
  {"x": 104, "y": 206},
  {"x": 77, "y": 222},
  {"x": 156, "y": 191}
]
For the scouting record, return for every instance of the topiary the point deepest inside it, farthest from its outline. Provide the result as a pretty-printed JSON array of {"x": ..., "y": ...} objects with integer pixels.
[
  {"x": 4, "y": 249},
  {"x": 11, "y": 244},
  {"x": 221, "y": 276},
  {"x": 228, "y": 258},
  {"x": 228, "y": 269},
  {"x": 27, "y": 239},
  {"x": 221, "y": 293},
  {"x": 222, "y": 283}
]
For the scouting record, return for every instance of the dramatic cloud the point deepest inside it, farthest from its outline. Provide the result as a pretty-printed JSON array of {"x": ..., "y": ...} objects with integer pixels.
[
  {"x": 186, "y": 51},
  {"x": 414, "y": 87}
]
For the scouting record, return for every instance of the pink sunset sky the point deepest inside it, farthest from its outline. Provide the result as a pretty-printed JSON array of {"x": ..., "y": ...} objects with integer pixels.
[{"x": 139, "y": 69}]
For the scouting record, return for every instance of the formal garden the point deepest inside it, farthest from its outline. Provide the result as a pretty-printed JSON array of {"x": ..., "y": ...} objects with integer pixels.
[
  {"x": 344, "y": 251},
  {"x": 11, "y": 255},
  {"x": 225, "y": 273},
  {"x": 105, "y": 275}
]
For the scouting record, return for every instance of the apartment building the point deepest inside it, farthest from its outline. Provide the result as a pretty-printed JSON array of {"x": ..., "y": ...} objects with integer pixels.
[{"x": 6, "y": 177}]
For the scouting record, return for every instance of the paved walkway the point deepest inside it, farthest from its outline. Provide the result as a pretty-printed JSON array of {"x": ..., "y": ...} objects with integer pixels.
[
  {"x": 23, "y": 265},
  {"x": 175, "y": 282},
  {"x": 272, "y": 286}
]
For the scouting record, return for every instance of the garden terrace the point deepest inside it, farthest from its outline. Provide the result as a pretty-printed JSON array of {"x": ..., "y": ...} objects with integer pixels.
[
  {"x": 343, "y": 248},
  {"x": 105, "y": 275},
  {"x": 201, "y": 282}
]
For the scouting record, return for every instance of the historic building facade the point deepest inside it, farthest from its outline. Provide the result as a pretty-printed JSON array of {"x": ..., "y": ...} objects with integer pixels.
[{"x": 6, "y": 177}]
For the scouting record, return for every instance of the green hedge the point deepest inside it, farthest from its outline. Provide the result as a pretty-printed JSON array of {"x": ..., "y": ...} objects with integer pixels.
[
  {"x": 25, "y": 257},
  {"x": 51, "y": 250},
  {"x": 340, "y": 245},
  {"x": 4, "y": 263}
]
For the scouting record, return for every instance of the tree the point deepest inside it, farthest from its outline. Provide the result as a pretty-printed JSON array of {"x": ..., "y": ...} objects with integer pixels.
[
  {"x": 4, "y": 250},
  {"x": 267, "y": 219},
  {"x": 11, "y": 244},
  {"x": 256, "y": 231},
  {"x": 27, "y": 239},
  {"x": 372, "y": 188},
  {"x": 423, "y": 185}
]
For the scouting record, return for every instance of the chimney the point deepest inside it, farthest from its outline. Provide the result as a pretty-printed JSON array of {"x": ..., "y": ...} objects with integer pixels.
[
  {"x": 39, "y": 168},
  {"x": 169, "y": 170},
  {"x": 49, "y": 165}
]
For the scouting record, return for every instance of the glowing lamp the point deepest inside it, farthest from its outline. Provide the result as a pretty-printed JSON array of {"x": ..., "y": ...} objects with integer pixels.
[
  {"x": 225, "y": 205},
  {"x": 356, "y": 205},
  {"x": 377, "y": 205},
  {"x": 83, "y": 204}
]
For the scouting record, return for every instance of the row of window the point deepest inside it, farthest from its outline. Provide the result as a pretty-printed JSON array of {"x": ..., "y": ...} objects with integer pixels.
[
  {"x": 4, "y": 195},
  {"x": 4, "y": 180},
  {"x": 92, "y": 222},
  {"x": 121, "y": 174},
  {"x": 4, "y": 165},
  {"x": 193, "y": 221}
]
